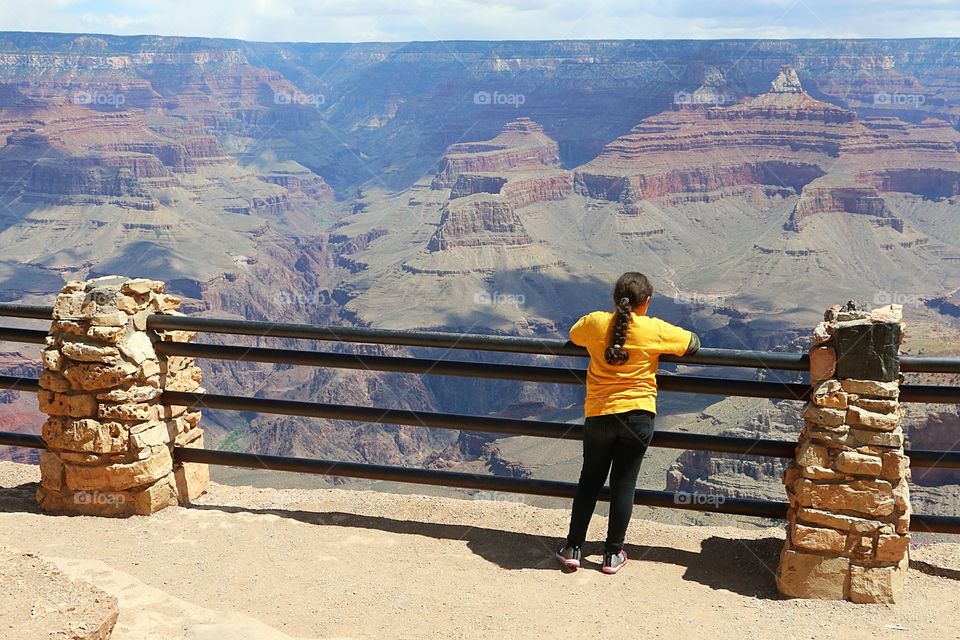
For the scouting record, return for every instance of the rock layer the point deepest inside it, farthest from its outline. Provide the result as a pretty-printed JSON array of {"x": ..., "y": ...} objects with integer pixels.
[{"x": 783, "y": 138}]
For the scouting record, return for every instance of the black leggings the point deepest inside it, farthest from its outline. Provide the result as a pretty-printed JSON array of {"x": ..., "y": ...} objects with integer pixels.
[{"x": 619, "y": 440}]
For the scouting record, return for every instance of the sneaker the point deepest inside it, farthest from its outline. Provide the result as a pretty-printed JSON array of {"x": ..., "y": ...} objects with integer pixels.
[
  {"x": 569, "y": 556},
  {"x": 613, "y": 562}
]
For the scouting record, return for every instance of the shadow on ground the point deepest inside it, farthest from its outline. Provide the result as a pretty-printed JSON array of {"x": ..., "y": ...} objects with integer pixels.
[
  {"x": 22, "y": 497},
  {"x": 741, "y": 566}
]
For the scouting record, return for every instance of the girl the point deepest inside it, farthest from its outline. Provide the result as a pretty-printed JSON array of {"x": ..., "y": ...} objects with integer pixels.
[{"x": 620, "y": 406}]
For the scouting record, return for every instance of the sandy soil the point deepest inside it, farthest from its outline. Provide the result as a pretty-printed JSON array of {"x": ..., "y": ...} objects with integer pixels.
[{"x": 261, "y": 563}]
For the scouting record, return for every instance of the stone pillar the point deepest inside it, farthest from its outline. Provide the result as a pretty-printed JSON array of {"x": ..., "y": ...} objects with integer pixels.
[
  {"x": 110, "y": 439},
  {"x": 848, "y": 523}
]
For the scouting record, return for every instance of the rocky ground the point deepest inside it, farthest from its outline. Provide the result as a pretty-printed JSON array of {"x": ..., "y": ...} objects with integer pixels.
[{"x": 331, "y": 563}]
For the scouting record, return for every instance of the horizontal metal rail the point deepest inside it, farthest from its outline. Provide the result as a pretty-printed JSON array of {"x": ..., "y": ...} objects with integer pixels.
[
  {"x": 790, "y": 361},
  {"x": 552, "y": 488},
  {"x": 647, "y": 497},
  {"x": 931, "y": 394},
  {"x": 482, "y": 424},
  {"x": 674, "y": 440},
  {"x": 929, "y": 364},
  {"x": 16, "y": 383},
  {"x": 556, "y": 375},
  {"x": 556, "y": 430},
  {"x": 29, "y": 336},
  {"x": 473, "y": 342},
  {"x": 35, "y": 311},
  {"x": 513, "y": 344},
  {"x": 25, "y": 440},
  {"x": 536, "y": 428}
]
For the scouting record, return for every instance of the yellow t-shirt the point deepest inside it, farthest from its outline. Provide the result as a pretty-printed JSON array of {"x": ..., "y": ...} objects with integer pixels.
[{"x": 618, "y": 388}]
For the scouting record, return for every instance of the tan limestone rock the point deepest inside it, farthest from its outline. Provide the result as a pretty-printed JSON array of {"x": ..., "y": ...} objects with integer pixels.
[
  {"x": 83, "y": 352},
  {"x": 876, "y": 405},
  {"x": 824, "y": 417},
  {"x": 111, "y": 319},
  {"x": 84, "y": 435},
  {"x": 895, "y": 466},
  {"x": 839, "y": 521},
  {"x": 52, "y": 359},
  {"x": 869, "y": 497},
  {"x": 892, "y": 548},
  {"x": 61, "y": 404},
  {"x": 858, "y": 463},
  {"x": 138, "y": 347},
  {"x": 51, "y": 471},
  {"x": 889, "y": 313},
  {"x": 158, "y": 495},
  {"x": 810, "y": 453},
  {"x": 132, "y": 411},
  {"x": 818, "y": 539},
  {"x": 69, "y": 305},
  {"x": 133, "y": 393},
  {"x": 823, "y": 363},
  {"x": 96, "y": 376},
  {"x": 120, "y": 476},
  {"x": 858, "y": 416},
  {"x": 112, "y": 335},
  {"x": 875, "y": 584},
  {"x": 816, "y": 472},
  {"x": 53, "y": 381},
  {"x": 142, "y": 286},
  {"x": 868, "y": 437},
  {"x": 871, "y": 388},
  {"x": 807, "y": 575}
]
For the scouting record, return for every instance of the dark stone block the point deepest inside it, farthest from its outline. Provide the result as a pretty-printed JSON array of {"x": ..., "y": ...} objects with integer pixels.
[{"x": 868, "y": 351}]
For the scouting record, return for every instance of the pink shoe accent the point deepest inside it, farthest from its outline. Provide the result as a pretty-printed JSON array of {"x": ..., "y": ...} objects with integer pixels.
[
  {"x": 612, "y": 570},
  {"x": 569, "y": 563}
]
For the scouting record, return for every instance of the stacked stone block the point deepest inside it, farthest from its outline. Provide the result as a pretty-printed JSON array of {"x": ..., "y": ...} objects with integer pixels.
[
  {"x": 110, "y": 440},
  {"x": 848, "y": 520}
]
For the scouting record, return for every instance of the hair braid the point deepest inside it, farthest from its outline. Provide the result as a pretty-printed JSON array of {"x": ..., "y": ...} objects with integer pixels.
[
  {"x": 632, "y": 289},
  {"x": 615, "y": 353}
]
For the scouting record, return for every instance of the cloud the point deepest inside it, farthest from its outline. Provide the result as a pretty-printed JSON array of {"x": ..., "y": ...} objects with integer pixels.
[{"x": 365, "y": 20}]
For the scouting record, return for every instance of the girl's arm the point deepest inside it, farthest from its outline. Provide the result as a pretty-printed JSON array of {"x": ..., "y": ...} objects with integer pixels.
[
  {"x": 694, "y": 345},
  {"x": 579, "y": 332}
]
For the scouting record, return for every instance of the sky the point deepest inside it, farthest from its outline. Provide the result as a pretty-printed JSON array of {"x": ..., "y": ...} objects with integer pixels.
[{"x": 405, "y": 20}]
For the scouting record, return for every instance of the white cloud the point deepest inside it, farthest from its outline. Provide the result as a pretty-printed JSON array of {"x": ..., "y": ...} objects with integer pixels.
[{"x": 362, "y": 20}]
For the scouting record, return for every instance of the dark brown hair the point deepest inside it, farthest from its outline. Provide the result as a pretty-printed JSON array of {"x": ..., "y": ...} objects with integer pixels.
[{"x": 632, "y": 289}]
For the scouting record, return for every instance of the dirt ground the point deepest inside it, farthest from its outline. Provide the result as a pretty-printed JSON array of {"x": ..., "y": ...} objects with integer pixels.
[{"x": 270, "y": 564}]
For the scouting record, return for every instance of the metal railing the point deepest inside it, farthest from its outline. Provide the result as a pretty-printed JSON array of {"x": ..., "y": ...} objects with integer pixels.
[{"x": 445, "y": 367}]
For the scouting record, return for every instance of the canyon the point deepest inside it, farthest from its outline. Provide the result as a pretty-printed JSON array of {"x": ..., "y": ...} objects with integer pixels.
[{"x": 380, "y": 185}]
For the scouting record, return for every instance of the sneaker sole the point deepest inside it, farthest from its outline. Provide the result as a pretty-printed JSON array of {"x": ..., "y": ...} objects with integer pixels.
[
  {"x": 612, "y": 570},
  {"x": 569, "y": 564}
]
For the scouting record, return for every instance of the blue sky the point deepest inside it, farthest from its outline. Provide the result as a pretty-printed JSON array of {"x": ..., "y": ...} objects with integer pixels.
[{"x": 400, "y": 20}]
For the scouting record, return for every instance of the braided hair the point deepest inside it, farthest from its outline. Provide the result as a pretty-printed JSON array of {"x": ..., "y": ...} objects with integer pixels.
[{"x": 631, "y": 290}]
